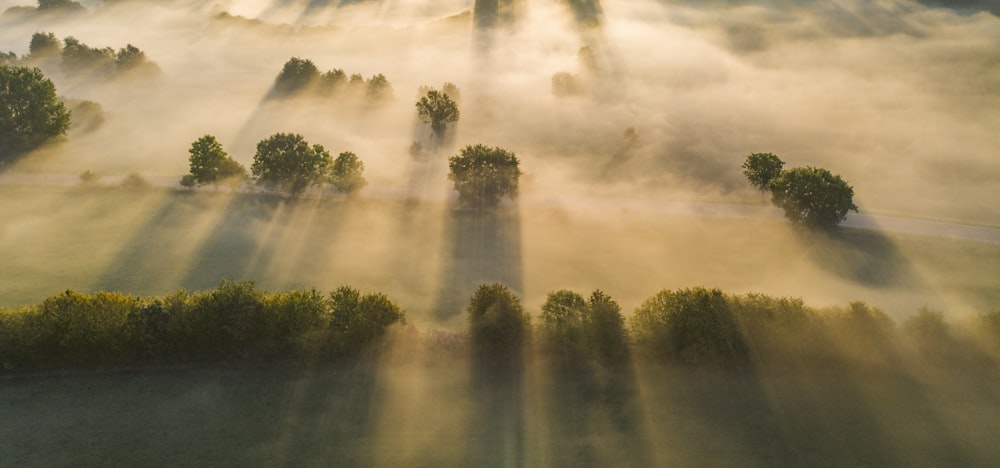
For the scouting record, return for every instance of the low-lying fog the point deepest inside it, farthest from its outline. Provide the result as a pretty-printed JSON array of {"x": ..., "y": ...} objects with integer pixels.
[{"x": 898, "y": 97}]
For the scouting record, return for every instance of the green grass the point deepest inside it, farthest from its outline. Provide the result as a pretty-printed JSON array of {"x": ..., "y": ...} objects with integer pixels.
[{"x": 440, "y": 411}]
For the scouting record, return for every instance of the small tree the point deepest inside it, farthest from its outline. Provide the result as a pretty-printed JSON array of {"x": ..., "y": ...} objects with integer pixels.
[
  {"x": 813, "y": 197},
  {"x": 605, "y": 334},
  {"x": 30, "y": 111},
  {"x": 761, "y": 169},
  {"x": 483, "y": 175},
  {"x": 347, "y": 174},
  {"x": 437, "y": 109},
  {"x": 286, "y": 162},
  {"x": 211, "y": 165}
]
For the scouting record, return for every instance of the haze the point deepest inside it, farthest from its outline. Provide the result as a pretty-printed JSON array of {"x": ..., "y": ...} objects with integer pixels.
[{"x": 898, "y": 97}]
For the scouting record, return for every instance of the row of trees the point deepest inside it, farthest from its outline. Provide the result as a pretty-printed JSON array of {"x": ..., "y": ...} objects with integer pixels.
[
  {"x": 809, "y": 196},
  {"x": 301, "y": 76},
  {"x": 284, "y": 162},
  {"x": 699, "y": 326},
  {"x": 78, "y": 58},
  {"x": 236, "y": 320},
  {"x": 695, "y": 326}
]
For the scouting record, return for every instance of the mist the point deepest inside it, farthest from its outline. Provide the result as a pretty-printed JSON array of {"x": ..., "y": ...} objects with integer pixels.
[{"x": 631, "y": 184}]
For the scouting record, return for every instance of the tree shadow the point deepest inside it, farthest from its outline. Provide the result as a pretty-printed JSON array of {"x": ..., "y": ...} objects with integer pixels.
[
  {"x": 481, "y": 246},
  {"x": 594, "y": 414},
  {"x": 863, "y": 256}
]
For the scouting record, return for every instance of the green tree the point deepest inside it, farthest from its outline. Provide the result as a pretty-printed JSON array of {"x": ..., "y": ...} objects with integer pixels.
[
  {"x": 483, "y": 175},
  {"x": 78, "y": 57},
  {"x": 30, "y": 111},
  {"x": 761, "y": 169},
  {"x": 286, "y": 162},
  {"x": 59, "y": 4},
  {"x": 437, "y": 109},
  {"x": 561, "y": 324},
  {"x": 692, "y": 326},
  {"x": 211, "y": 165},
  {"x": 131, "y": 58},
  {"x": 379, "y": 88},
  {"x": 44, "y": 45},
  {"x": 498, "y": 325},
  {"x": 296, "y": 76},
  {"x": 813, "y": 197},
  {"x": 605, "y": 334},
  {"x": 357, "y": 322},
  {"x": 347, "y": 174}
]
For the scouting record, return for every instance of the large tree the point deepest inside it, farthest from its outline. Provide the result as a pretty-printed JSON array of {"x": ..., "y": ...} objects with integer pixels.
[
  {"x": 211, "y": 165},
  {"x": 437, "y": 109},
  {"x": 498, "y": 325},
  {"x": 347, "y": 174},
  {"x": 813, "y": 196},
  {"x": 761, "y": 169},
  {"x": 296, "y": 76},
  {"x": 30, "y": 111},
  {"x": 484, "y": 175},
  {"x": 286, "y": 162}
]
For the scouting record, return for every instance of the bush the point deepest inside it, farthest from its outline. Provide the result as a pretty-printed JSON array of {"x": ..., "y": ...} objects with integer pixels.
[{"x": 356, "y": 322}]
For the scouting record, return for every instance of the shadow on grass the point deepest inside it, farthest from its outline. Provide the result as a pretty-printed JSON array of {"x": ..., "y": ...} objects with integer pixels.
[
  {"x": 862, "y": 256},
  {"x": 480, "y": 247}
]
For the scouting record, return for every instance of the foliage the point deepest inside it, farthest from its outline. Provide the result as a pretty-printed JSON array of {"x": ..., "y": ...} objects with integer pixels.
[
  {"x": 233, "y": 321},
  {"x": 379, "y": 88},
  {"x": 761, "y": 169},
  {"x": 565, "y": 84},
  {"x": 356, "y": 321},
  {"x": 813, "y": 197},
  {"x": 692, "y": 326},
  {"x": 347, "y": 174},
  {"x": 484, "y": 175},
  {"x": 8, "y": 58},
  {"x": 561, "y": 327},
  {"x": 498, "y": 325},
  {"x": 296, "y": 76},
  {"x": 451, "y": 90},
  {"x": 437, "y": 109},
  {"x": 210, "y": 164},
  {"x": 49, "y": 5},
  {"x": 130, "y": 58},
  {"x": 286, "y": 162},
  {"x": 134, "y": 181},
  {"x": 89, "y": 177},
  {"x": 604, "y": 329},
  {"x": 78, "y": 57},
  {"x": 44, "y": 45},
  {"x": 30, "y": 112}
]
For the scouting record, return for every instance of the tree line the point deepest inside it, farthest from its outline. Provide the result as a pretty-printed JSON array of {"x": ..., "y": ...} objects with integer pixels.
[{"x": 690, "y": 327}]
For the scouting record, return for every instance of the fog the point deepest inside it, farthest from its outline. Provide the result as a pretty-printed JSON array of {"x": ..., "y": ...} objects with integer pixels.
[{"x": 631, "y": 184}]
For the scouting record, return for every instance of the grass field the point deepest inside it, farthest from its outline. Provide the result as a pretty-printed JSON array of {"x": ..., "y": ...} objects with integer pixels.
[
  {"x": 422, "y": 410},
  {"x": 429, "y": 258}
]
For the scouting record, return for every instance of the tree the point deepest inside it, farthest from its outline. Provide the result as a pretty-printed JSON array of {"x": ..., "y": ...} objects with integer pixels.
[
  {"x": 210, "y": 164},
  {"x": 483, "y": 175},
  {"x": 498, "y": 326},
  {"x": 605, "y": 334},
  {"x": 44, "y": 45},
  {"x": 761, "y": 169},
  {"x": 57, "y": 4},
  {"x": 79, "y": 57},
  {"x": 296, "y": 76},
  {"x": 812, "y": 196},
  {"x": 347, "y": 173},
  {"x": 357, "y": 322},
  {"x": 437, "y": 109},
  {"x": 286, "y": 162},
  {"x": 30, "y": 112},
  {"x": 379, "y": 88},
  {"x": 562, "y": 323}
]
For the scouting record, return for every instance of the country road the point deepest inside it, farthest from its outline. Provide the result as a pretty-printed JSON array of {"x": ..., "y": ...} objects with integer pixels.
[{"x": 883, "y": 223}]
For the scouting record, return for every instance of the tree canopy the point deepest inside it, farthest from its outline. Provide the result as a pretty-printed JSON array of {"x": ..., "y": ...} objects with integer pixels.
[
  {"x": 484, "y": 175},
  {"x": 30, "y": 111},
  {"x": 347, "y": 174},
  {"x": 437, "y": 109},
  {"x": 296, "y": 76},
  {"x": 286, "y": 162},
  {"x": 498, "y": 325},
  {"x": 812, "y": 196},
  {"x": 210, "y": 164},
  {"x": 761, "y": 169}
]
